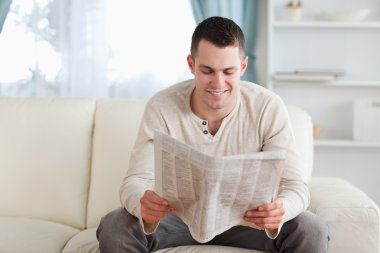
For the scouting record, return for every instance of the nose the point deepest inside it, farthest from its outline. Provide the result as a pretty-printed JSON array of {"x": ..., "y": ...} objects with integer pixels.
[{"x": 218, "y": 80}]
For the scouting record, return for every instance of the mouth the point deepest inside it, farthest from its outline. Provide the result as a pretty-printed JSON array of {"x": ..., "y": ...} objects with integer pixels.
[{"x": 217, "y": 92}]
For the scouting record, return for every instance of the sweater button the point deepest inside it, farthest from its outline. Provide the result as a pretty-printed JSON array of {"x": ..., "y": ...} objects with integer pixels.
[
  {"x": 204, "y": 123},
  {"x": 205, "y": 132}
]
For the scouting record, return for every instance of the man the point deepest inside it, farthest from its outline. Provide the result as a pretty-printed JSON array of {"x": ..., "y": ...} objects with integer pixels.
[{"x": 219, "y": 115}]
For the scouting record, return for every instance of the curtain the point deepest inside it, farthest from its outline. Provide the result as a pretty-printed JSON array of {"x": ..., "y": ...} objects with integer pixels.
[
  {"x": 243, "y": 12},
  {"x": 84, "y": 50},
  {"x": 95, "y": 48},
  {"x": 4, "y": 8},
  {"x": 61, "y": 49}
]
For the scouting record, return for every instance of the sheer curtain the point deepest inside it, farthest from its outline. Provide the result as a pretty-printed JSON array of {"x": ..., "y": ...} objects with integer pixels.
[
  {"x": 84, "y": 50},
  {"x": 96, "y": 48},
  {"x": 28, "y": 50},
  {"x": 149, "y": 44}
]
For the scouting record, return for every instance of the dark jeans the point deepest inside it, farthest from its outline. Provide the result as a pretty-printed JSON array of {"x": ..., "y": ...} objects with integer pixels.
[{"x": 121, "y": 232}]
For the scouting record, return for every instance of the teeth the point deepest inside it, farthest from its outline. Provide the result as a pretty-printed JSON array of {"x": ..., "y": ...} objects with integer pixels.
[{"x": 216, "y": 92}]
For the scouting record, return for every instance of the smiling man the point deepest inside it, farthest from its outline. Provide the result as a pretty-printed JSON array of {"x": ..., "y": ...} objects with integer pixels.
[
  {"x": 221, "y": 115},
  {"x": 217, "y": 74}
]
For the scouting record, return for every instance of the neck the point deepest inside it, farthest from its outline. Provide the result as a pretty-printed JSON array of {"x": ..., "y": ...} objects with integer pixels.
[
  {"x": 207, "y": 113},
  {"x": 213, "y": 116}
]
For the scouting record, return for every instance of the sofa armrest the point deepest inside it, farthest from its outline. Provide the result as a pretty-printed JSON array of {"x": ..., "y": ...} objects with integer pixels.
[{"x": 352, "y": 217}]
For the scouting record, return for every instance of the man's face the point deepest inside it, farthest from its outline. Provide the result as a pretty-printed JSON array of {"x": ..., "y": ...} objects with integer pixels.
[{"x": 217, "y": 73}]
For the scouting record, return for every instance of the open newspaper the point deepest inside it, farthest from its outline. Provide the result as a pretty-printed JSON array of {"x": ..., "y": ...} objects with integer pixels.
[{"x": 212, "y": 194}]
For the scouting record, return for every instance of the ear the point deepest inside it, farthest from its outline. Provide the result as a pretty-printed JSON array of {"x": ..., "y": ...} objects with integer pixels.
[
  {"x": 244, "y": 65},
  {"x": 190, "y": 63}
]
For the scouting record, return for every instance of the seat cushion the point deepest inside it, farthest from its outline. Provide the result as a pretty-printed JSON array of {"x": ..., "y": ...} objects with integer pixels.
[
  {"x": 85, "y": 242},
  {"x": 206, "y": 249},
  {"x": 21, "y": 235}
]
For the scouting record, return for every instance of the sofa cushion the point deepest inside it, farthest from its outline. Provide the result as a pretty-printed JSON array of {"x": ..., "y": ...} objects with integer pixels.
[
  {"x": 83, "y": 242},
  {"x": 206, "y": 249},
  {"x": 352, "y": 216},
  {"x": 45, "y": 153},
  {"x": 22, "y": 235},
  {"x": 116, "y": 125}
]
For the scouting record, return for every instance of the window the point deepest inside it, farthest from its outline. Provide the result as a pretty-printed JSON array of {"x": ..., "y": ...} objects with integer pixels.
[
  {"x": 27, "y": 49},
  {"x": 149, "y": 42},
  {"x": 53, "y": 48}
]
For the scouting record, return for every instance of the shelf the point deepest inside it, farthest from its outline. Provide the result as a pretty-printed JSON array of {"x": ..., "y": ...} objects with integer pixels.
[
  {"x": 335, "y": 84},
  {"x": 345, "y": 143},
  {"x": 326, "y": 24}
]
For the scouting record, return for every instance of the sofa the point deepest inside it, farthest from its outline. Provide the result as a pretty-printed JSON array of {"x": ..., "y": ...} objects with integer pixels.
[{"x": 62, "y": 161}]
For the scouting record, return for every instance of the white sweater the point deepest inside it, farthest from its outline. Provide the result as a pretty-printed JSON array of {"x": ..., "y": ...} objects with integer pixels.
[{"x": 259, "y": 122}]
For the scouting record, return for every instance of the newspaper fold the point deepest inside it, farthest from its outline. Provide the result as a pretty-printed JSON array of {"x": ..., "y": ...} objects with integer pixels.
[{"x": 212, "y": 194}]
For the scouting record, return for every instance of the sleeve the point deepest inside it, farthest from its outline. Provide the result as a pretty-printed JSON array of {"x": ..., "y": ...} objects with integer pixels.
[
  {"x": 278, "y": 135},
  {"x": 140, "y": 174}
]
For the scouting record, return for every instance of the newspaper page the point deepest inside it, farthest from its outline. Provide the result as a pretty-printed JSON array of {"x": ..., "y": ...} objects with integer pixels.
[{"x": 212, "y": 194}]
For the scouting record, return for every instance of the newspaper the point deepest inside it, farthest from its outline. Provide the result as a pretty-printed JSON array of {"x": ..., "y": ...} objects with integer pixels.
[{"x": 212, "y": 194}]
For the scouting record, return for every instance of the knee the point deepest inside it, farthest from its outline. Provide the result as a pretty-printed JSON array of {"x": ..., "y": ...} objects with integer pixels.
[
  {"x": 312, "y": 226},
  {"x": 118, "y": 221},
  {"x": 120, "y": 231},
  {"x": 305, "y": 233}
]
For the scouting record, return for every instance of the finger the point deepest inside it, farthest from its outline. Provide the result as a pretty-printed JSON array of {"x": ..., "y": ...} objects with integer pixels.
[
  {"x": 153, "y": 197},
  {"x": 150, "y": 218},
  {"x": 151, "y": 213},
  {"x": 268, "y": 220},
  {"x": 269, "y": 226},
  {"x": 266, "y": 223},
  {"x": 267, "y": 210},
  {"x": 151, "y": 201},
  {"x": 264, "y": 214},
  {"x": 276, "y": 204},
  {"x": 147, "y": 204}
]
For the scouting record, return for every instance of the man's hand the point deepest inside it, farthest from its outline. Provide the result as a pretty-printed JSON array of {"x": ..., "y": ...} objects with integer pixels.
[
  {"x": 153, "y": 207},
  {"x": 267, "y": 216}
]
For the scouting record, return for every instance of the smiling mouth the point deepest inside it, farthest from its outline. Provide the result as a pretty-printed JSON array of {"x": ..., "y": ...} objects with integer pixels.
[{"x": 217, "y": 92}]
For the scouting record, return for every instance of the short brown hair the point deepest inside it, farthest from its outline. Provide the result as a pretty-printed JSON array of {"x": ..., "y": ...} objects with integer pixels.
[{"x": 220, "y": 31}]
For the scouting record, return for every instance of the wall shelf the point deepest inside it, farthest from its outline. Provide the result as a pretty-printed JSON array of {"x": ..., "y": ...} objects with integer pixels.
[
  {"x": 335, "y": 84},
  {"x": 326, "y": 24},
  {"x": 331, "y": 45},
  {"x": 348, "y": 47},
  {"x": 345, "y": 143}
]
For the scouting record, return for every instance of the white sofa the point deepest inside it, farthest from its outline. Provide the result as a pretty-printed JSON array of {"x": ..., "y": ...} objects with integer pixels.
[{"x": 62, "y": 161}]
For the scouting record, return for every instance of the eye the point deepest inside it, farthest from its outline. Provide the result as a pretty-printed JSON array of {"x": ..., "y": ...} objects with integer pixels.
[
  {"x": 206, "y": 71},
  {"x": 229, "y": 72}
]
